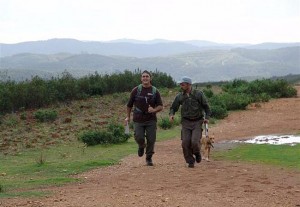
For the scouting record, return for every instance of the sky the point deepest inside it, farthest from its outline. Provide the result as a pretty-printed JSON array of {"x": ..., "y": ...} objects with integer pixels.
[{"x": 222, "y": 21}]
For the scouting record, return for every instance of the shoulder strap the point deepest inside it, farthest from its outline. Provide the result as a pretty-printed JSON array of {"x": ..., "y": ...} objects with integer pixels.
[
  {"x": 153, "y": 90},
  {"x": 139, "y": 90}
]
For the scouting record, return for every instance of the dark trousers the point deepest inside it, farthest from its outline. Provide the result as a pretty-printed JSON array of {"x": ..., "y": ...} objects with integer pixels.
[
  {"x": 143, "y": 132},
  {"x": 191, "y": 134}
]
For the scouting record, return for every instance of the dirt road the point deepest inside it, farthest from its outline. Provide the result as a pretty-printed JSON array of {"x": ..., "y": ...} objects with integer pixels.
[{"x": 171, "y": 184}]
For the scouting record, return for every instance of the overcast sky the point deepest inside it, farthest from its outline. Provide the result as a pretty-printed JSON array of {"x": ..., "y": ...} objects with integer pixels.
[{"x": 223, "y": 21}]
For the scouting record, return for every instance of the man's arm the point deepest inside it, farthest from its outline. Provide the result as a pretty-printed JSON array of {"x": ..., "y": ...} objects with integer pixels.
[
  {"x": 174, "y": 108},
  {"x": 128, "y": 114},
  {"x": 156, "y": 109}
]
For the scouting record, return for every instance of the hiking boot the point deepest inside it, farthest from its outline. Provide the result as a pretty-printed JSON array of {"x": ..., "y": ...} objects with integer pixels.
[
  {"x": 141, "y": 152},
  {"x": 198, "y": 158},
  {"x": 149, "y": 162},
  {"x": 191, "y": 165}
]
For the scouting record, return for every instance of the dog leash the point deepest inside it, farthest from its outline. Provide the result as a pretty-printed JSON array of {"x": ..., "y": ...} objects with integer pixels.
[
  {"x": 206, "y": 129},
  {"x": 206, "y": 133}
]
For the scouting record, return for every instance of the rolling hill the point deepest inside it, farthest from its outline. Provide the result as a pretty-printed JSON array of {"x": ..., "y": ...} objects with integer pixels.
[{"x": 202, "y": 60}]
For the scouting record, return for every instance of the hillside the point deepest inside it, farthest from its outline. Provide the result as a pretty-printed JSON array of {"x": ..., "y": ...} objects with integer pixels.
[
  {"x": 168, "y": 183},
  {"x": 203, "y": 66}
]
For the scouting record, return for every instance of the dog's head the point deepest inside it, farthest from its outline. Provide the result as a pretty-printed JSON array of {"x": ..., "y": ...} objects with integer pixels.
[
  {"x": 209, "y": 139},
  {"x": 212, "y": 139}
]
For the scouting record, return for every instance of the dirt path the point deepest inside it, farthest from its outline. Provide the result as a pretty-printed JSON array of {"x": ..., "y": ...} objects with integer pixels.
[{"x": 170, "y": 183}]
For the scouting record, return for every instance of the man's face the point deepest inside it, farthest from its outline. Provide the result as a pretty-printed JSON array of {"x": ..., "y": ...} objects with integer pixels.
[
  {"x": 145, "y": 78},
  {"x": 184, "y": 86}
]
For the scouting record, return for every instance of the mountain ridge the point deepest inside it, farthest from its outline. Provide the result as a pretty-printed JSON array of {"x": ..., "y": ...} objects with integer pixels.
[
  {"x": 125, "y": 47},
  {"x": 203, "y": 66}
]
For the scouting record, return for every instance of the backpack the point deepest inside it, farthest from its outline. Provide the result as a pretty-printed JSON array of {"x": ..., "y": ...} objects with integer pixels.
[{"x": 139, "y": 90}]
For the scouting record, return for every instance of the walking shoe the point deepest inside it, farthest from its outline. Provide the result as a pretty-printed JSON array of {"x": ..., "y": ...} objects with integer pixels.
[
  {"x": 191, "y": 165},
  {"x": 141, "y": 152},
  {"x": 149, "y": 162},
  {"x": 198, "y": 158}
]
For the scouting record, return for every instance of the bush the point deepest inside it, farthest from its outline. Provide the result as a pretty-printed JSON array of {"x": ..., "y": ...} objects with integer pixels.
[
  {"x": 235, "y": 101},
  {"x": 208, "y": 92},
  {"x": 23, "y": 116},
  {"x": 114, "y": 134},
  {"x": 262, "y": 97},
  {"x": 44, "y": 115},
  {"x": 165, "y": 123},
  {"x": 218, "y": 112},
  {"x": 218, "y": 107}
]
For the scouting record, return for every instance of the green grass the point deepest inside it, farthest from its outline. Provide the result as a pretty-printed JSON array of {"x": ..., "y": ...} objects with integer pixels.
[
  {"x": 277, "y": 155},
  {"x": 21, "y": 173},
  {"x": 24, "y": 194},
  {"x": 27, "y": 172}
]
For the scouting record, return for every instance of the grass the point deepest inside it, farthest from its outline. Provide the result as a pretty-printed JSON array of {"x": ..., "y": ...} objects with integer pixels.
[
  {"x": 23, "y": 174},
  {"x": 277, "y": 155},
  {"x": 34, "y": 169}
]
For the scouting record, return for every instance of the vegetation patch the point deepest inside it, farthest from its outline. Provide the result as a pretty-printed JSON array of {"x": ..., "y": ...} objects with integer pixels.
[
  {"x": 45, "y": 115},
  {"x": 278, "y": 155},
  {"x": 114, "y": 134}
]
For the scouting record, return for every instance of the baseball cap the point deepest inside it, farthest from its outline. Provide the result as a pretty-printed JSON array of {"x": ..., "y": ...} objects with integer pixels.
[{"x": 185, "y": 79}]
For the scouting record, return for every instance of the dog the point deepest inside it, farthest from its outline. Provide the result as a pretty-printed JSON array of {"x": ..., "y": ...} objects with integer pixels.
[{"x": 206, "y": 145}]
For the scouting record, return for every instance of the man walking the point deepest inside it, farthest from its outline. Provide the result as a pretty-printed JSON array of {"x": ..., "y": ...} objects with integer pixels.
[
  {"x": 194, "y": 112},
  {"x": 147, "y": 102}
]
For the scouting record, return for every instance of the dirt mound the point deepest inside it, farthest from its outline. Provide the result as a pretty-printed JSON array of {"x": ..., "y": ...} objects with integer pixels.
[{"x": 171, "y": 183}]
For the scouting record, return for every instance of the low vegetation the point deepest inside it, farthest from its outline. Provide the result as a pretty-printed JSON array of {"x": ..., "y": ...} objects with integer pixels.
[
  {"x": 114, "y": 134},
  {"x": 278, "y": 155},
  {"x": 47, "y": 145}
]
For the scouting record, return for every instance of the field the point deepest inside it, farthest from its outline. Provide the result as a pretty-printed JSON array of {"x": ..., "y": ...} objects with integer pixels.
[{"x": 221, "y": 182}]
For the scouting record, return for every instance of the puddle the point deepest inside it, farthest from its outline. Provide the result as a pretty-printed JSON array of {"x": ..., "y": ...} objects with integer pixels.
[{"x": 274, "y": 139}]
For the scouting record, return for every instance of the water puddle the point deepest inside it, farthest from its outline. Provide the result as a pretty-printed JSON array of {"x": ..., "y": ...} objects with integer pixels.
[{"x": 274, "y": 139}]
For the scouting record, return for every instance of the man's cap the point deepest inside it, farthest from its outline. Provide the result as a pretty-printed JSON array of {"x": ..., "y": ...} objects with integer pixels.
[{"x": 185, "y": 79}]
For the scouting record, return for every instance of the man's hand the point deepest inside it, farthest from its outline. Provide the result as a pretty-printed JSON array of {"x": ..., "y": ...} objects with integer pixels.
[
  {"x": 151, "y": 109},
  {"x": 126, "y": 121},
  {"x": 206, "y": 121},
  {"x": 171, "y": 118}
]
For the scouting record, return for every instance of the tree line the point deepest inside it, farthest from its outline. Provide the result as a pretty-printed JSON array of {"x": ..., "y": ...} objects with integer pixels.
[{"x": 39, "y": 92}]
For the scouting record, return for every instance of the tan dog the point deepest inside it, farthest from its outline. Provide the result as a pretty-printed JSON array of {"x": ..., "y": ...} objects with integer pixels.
[{"x": 206, "y": 145}]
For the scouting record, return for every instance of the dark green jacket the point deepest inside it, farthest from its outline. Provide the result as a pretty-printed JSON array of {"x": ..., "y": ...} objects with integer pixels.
[{"x": 193, "y": 106}]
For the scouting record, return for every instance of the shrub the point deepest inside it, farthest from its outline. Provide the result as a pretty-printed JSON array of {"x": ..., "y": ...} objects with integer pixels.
[
  {"x": 165, "y": 123},
  {"x": 44, "y": 115},
  {"x": 12, "y": 122},
  {"x": 235, "y": 101},
  {"x": 262, "y": 97},
  {"x": 23, "y": 116},
  {"x": 218, "y": 112},
  {"x": 208, "y": 92},
  {"x": 114, "y": 134},
  {"x": 218, "y": 107}
]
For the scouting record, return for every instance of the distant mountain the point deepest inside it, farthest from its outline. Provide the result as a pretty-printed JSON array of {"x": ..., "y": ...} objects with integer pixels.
[
  {"x": 125, "y": 47},
  {"x": 202, "y": 66},
  {"x": 271, "y": 45}
]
